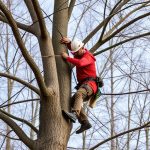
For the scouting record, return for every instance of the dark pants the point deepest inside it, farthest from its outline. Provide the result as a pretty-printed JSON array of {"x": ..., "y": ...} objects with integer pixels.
[{"x": 83, "y": 94}]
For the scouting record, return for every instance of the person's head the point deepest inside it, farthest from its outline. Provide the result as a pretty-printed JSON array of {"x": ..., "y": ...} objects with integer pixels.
[{"x": 77, "y": 47}]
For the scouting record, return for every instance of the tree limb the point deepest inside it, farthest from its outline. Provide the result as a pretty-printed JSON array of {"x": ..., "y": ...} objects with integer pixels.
[
  {"x": 35, "y": 24},
  {"x": 1, "y": 134},
  {"x": 122, "y": 19},
  {"x": 20, "y": 133},
  {"x": 126, "y": 25},
  {"x": 18, "y": 102},
  {"x": 70, "y": 9},
  {"x": 105, "y": 21},
  {"x": 98, "y": 44},
  {"x": 122, "y": 42},
  {"x": 21, "y": 120},
  {"x": 30, "y": 86},
  {"x": 31, "y": 10},
  {"x": 23, "y": 49},
  {"x": 40, "y": 17},
  {"x": 117, "y": 7},
  {"x": 20, "y": 25},
  {"x": 120, "y": 134},
  {"x": 134, "y": 92}
]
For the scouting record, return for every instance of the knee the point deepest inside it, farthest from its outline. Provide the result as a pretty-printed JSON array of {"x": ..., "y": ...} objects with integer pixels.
[
  {"x": 81, "y": 93},
  {"x": 78, "y": 94}
]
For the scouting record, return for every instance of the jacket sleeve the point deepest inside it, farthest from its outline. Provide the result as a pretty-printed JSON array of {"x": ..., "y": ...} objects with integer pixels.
[{"x": 80, "y": 62}]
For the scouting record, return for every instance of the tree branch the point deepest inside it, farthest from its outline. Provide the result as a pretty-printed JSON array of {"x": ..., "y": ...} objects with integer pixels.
[
  {"x": 21, "y": 120},
  {"x": 20, "y": 25},
  {"x": 31, "y": 10},
  {"x": 20, "y": 133},
  {"x": 21, "y": 81},
  {"x": 23, "y": 49},
  {"x": 105, "y": 21},
  {"x": 134, "y": 92},
  {"x": 117, "y": 7},
  {"x": 18, "y": 102},
  {"x": 98, "y": 44},
  {"x": 122, "y": 42},
  {"x": 1, "y": 134},
  {"x": 40, "y": 17},
  {"x": 35, "y": 24},
  {"x": 70, "y": 9},
  {"x": 120, "y": 134},
  {"x": 121, "y": 20},
  {"x": 126, "y": 25}
]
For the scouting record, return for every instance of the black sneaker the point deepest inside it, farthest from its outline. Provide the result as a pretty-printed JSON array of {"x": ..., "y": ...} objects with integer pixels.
[
  {"x": 85, "y": 126},
  {"x": 71, "y": 116}
]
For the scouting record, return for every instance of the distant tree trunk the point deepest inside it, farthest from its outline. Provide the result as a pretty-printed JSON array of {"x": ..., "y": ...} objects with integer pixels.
[
  {"x": 84, "y": 141},
  {"x": 129, "y": 107},
  {"x": 8, "y": 140},
  {"x": 147, "y": 138},
  {"x": 113, "y": 143},
  {"x": 9, "y": 90},
  {"x": 33, "y": 117},
  {"x": 9, "y": 83}
]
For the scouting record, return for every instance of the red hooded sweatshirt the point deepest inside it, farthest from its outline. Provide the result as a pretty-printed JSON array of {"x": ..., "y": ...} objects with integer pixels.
[{"x": 85, "y": 67}]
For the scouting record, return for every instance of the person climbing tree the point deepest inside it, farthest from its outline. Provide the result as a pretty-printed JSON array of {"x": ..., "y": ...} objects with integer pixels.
[{"x": 86, "y": 76}]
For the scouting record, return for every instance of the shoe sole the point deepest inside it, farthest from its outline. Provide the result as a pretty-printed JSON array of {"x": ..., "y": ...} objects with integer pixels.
[
  {"x": 67, "y": 116},
  {"x": 84, "y": 130}
]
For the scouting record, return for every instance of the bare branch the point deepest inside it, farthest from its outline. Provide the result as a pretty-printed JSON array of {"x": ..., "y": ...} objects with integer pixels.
[
  {"x": 122, "y": 42},
  {"x": 70, "y": 9},
  {"x": 21, "y": 81},
  {"x": 20, "y": 25},
  {"x": 31, "y": 10},
  {"x": 1, "y": 134},
  {"x": 20, "y": 133},
  {"x": 105, "y": 21},
  {"x": 35, "y": 24},
  {"x": 18, "y": 102},
  {"x": 23, "y": 49},
  {"x": 21, "y": 120},
  {"x": 134, "y": 92},
  {"x": 120, "y": 134},
  {"x": 40, "y": 17},
  {"x": 98, "y": 44},
  {"x": 116, "y": 8},
  {"x": 122, "y": 19}
]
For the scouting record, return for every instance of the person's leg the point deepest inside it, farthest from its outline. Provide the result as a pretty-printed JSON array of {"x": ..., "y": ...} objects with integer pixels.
[
  {"x": 76, "y": 104},
  {"x": 79, "y": 96},
  {"x": 82, "y": 94},
  {"x": 82, "y": 118}
]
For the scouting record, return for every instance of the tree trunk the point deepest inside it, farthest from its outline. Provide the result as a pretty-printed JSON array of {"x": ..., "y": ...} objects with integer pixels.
[
  {"x": 113, "y": 142},
  {"x": 54, "y": 131},
  {"x": 8, "y": 141},
  {"x": 147, "y": 138},
  {"x": 129, "y": 105},
  {"x": 9, "y": 89}
]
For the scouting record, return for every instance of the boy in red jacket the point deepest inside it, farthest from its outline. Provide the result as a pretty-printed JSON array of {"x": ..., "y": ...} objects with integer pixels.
[{"x": 86, "y": 75}]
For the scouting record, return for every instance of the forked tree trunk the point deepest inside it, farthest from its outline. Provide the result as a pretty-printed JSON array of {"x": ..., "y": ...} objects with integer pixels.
[{"x": 54, "y": 130}]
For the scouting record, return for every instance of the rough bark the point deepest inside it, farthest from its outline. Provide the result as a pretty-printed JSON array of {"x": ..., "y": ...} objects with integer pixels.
[
  {"x": 60, "y": 24},
  {"x": 53, "y": 128}
]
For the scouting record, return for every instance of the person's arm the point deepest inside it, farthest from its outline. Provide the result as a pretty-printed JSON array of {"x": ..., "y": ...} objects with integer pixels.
[{"x": 80, "y": 62}]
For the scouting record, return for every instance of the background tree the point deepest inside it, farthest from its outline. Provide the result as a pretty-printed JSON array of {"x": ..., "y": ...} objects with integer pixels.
[{"x": 117, "y": 30}]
